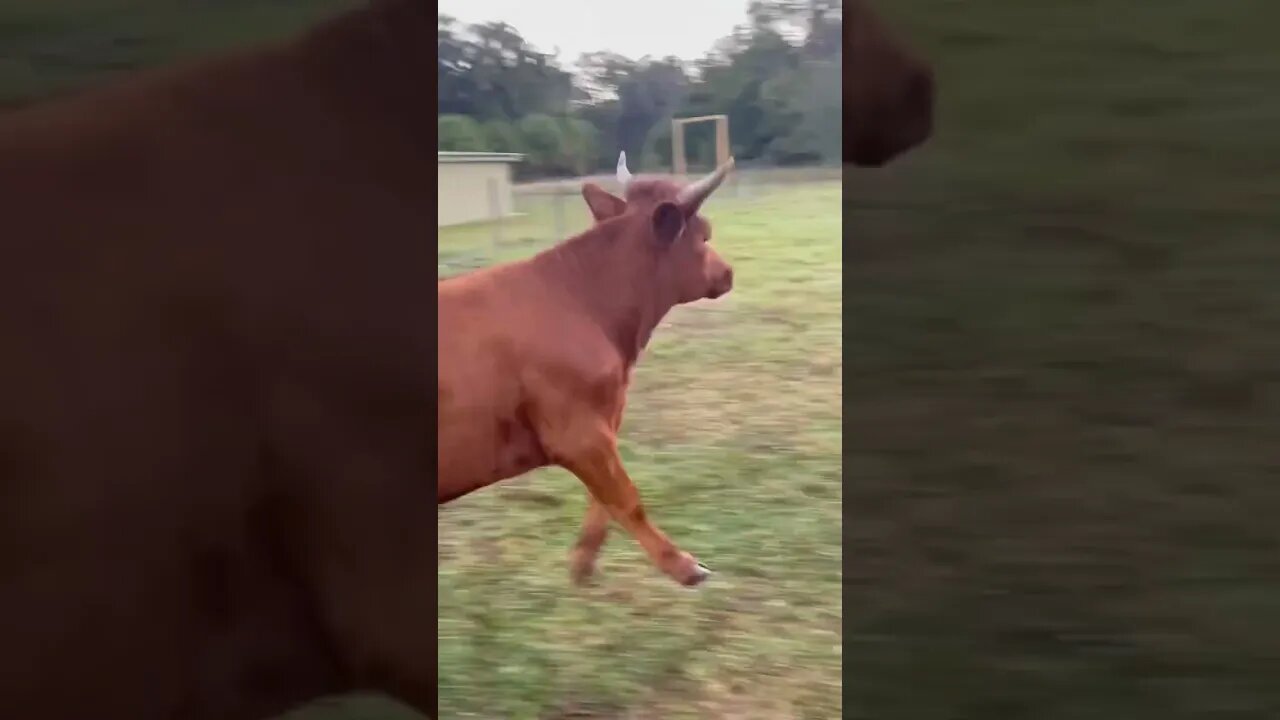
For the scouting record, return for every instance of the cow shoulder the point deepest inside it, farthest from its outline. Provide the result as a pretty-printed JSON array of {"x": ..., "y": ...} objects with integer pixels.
[{"x": 576, "y": 398}]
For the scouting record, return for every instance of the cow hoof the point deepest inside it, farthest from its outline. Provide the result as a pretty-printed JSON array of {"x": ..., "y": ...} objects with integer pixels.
[
  {"x": 582, "y": 575},
  {"x": 581, "y": 570},
  {"x": 698, "y": 576}
]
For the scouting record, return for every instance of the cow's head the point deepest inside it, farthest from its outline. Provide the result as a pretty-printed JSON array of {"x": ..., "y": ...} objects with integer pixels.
[
  {"x": 669, "y": 229},
  {"x": 888, "y": 91}
]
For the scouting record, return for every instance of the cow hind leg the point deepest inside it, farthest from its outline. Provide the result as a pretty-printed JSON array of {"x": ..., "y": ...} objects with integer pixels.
[{"x": 595, "y": 530}]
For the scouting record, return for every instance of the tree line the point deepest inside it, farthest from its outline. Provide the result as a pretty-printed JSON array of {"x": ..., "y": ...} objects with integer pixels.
[{"x": 777, "y": 77}]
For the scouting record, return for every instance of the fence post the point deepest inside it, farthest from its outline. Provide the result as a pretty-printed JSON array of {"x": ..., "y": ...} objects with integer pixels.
[
  {"x": 557, "y": 214},
  {"x": 678, "y": 166},
  {"x": 495, "y": 216}
]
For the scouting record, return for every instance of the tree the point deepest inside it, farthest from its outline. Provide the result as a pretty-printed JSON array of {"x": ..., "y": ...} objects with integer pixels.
[
  {"x": 580, "y": 145},
  {"x": 544, "y": 144},
  {"x": 776, "y": 75},
  {"x": 502, "y": 136},
  {"x": 457, "y": 87},
  {"x": 643, "y": 94},
  {"x": 460, "y": 133},
  {"x": 489, "y": 71}
]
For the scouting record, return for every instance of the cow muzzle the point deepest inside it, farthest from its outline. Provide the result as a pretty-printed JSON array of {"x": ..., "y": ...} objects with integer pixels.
[{"x": 721, "y": 285}]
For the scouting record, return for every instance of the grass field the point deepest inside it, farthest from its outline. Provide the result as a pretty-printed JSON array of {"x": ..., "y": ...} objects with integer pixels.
[
  {"x": 1063, "y": 372},
  {"x": 733, "y": 435}
]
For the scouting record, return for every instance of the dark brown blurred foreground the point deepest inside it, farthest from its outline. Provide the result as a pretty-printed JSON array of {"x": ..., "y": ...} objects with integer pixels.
[
  {"x": 888, "y": 90},
  {"x": 215, "y": 454}
]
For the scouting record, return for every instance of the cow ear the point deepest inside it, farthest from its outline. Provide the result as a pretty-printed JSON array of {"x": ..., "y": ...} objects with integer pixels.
[
  {"x": 603, "y": 204},
  {"x": 668, "y": 222}
]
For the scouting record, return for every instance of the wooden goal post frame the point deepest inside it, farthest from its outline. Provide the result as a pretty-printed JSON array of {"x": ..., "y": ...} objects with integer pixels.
[{"x": 679, "y": 166}]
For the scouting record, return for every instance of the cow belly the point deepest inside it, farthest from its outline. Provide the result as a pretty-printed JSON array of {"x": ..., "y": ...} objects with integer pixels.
[
  {"x": 475, "y": 456},
  {"x": 519, "y": 453}
]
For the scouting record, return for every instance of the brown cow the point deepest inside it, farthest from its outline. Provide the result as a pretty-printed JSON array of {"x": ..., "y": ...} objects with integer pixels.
[
  {"x": 535, "y": 356},
  {"x": 595, "y": 523},
  {"x": 888, "y": 91},
  {"x": 216, "y": 383}
]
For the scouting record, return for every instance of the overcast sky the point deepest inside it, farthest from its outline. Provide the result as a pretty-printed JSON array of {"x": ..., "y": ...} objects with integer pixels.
[{"x": 634, "y": 28}]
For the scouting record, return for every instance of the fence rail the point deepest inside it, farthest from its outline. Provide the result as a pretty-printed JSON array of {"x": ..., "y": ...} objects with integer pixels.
[{"x": 547, "y": 211}]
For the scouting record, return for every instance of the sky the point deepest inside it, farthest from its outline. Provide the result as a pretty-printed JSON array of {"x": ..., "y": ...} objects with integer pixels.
[{"x": 634, "y": 28}]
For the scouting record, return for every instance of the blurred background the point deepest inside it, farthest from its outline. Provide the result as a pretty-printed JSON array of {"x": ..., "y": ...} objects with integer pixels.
[{"x": 1062, "y": 316}]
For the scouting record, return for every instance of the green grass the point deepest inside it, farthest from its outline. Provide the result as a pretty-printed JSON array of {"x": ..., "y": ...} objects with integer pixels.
[
  {"x": 1063, "y": 359},
  {"x": 733, "y": 436}
]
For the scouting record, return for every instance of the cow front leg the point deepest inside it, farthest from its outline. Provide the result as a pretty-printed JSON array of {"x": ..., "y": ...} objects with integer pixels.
[
  {"x": 594, "y": 459},
  {"x": 595, "y": 530}
]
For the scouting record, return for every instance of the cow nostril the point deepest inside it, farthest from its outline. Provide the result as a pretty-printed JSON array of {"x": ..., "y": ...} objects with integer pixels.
[{"x": 720, "y": 284}]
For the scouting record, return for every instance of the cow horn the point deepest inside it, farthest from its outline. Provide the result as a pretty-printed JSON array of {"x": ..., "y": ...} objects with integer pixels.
[
  {"x": 691, "y": 196},
  {"x": 624, "y": 175}
]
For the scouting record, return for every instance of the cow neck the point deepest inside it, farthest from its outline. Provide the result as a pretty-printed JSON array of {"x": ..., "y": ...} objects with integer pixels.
[{"x": 613, "y": 281}]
